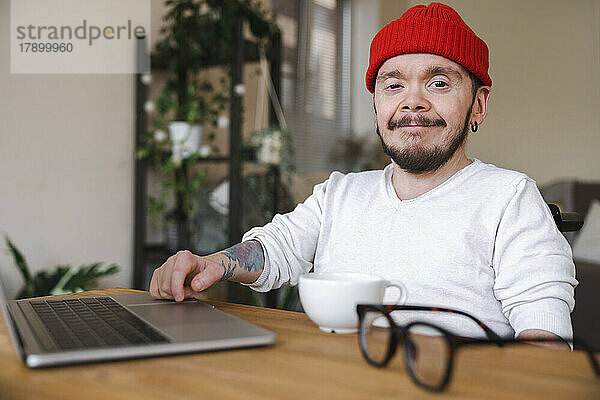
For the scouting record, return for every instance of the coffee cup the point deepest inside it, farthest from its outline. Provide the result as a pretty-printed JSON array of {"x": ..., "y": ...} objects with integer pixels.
[{"x": 330, "y": 298}]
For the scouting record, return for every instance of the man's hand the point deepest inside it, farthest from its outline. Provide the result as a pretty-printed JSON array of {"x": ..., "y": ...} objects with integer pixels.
[
  {"x": 555, "y": 342},
  {"x": 183, "y": 275}
]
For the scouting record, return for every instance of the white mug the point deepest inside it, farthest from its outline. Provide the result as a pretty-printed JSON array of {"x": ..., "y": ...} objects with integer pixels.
[{"x": 330, "y": 298}]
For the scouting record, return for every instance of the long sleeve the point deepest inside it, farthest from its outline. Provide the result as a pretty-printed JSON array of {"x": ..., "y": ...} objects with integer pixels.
[
  {"x": 533, "y": 265},
  {"x": 289, "y": 242}
]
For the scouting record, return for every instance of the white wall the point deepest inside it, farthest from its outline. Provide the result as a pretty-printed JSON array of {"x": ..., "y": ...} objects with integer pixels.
[{"x": 66, "y": 167}]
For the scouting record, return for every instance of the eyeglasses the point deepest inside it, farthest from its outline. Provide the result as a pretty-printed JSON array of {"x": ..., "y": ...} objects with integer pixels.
[{"x": 428, "y": 349}]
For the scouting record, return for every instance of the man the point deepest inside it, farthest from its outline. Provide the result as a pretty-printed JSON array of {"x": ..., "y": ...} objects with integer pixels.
[{"x": 457, "y": 232}]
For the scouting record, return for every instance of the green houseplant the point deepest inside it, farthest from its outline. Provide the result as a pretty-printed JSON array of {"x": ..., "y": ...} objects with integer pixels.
[
  {"x": 185, "y": 107},
  {"x": 196, "y": 34},
  {"x": 60, "y": 279}
]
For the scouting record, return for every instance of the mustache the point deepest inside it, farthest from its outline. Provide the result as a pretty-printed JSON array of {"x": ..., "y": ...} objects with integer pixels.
[{"x": 421, "y": 120}]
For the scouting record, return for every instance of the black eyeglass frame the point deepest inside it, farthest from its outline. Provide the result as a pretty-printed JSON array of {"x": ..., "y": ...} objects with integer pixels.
[{"x": 453, "y": 341}]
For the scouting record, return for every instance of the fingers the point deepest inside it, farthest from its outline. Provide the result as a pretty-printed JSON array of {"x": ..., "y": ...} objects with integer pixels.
[
  {"x": 211, "y": 274},
  {"x": 153, "y": 291},
  {"x": 183, "y": 275},
  {"x": 173, "y": 280},
  {"x": 160, "y": 284},
  {"x": 155, "y": 281},
  {"x": 185, "y": 264}
]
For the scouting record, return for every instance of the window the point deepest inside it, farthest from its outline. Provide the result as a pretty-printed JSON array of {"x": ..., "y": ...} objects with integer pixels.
[{"x": 315, "y": 86}]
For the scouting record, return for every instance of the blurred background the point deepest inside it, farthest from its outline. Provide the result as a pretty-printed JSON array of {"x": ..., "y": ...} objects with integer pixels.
[{"x": 273, "y": 94}]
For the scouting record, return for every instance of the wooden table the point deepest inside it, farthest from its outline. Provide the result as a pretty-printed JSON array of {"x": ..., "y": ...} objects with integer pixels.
[{"x": 305, "y": 363}]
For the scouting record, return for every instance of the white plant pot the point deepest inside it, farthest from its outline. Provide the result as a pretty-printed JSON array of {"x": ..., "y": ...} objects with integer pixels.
[
  {"x": 186, "y": 138},
  {"x": 269, "y": 151}
]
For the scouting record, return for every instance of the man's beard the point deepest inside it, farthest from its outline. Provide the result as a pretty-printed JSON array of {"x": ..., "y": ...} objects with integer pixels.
[{"x": 424, "y": 160}]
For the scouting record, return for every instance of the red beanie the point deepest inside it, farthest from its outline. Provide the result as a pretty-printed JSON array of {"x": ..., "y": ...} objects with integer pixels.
[{"x": 435, "y": 29}]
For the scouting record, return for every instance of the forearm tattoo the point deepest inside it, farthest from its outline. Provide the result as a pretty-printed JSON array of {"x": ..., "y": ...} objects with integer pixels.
[{"x": 246, "y": 255}]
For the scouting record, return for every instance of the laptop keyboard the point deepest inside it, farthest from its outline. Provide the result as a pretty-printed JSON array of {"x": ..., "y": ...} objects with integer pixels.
[{"x": 93, "y": 322}]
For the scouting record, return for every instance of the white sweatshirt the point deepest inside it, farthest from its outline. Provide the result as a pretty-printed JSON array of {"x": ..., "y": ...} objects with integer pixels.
[{"x": 483, "y": 242}]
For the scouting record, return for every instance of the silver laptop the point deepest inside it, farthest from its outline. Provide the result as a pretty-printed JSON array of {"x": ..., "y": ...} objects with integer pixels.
[{"x": 51, "y": 332}]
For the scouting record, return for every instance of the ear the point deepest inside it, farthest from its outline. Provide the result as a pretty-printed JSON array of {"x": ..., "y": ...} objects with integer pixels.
[
  {"x": 374, "y": 107},
  {"x": 375, "y": 110},
  {"x": 479, "y": 110}
]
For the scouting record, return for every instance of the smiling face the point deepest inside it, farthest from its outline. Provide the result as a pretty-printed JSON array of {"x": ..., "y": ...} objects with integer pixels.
[{"x": 424, "y": 104}]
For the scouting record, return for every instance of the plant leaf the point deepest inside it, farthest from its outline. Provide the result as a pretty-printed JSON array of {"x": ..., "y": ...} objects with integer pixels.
[
  {"x": 84, "y": 277},
  {"x": 64, "y": 279},
  {"x": 44, "y": 281},
  {"x": 21, "y": 265}
]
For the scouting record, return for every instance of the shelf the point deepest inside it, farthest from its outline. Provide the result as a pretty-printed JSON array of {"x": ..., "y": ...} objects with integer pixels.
[
  {"x": 214, "y": 159},
  {"x": 246, "y": 157},
  {"x": 166, "y": 155},
  {"x": 250, "y": 51},
  {"x": 242, "y": 51}
]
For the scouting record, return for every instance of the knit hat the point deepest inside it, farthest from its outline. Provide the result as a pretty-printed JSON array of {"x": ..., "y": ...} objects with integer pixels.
[{"x": 435, "y": 29}]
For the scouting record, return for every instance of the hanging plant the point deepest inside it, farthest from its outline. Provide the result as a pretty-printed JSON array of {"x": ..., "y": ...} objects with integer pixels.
[{"x": 196, "y": 34}]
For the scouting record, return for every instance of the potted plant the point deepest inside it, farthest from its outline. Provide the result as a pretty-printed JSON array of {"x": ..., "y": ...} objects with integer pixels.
[
  {"x": 186, "y": 119},
  {"x": 184, "y": 109},
  {"x": 60, "y": 279},
  {"x": 192, "y": 31},
  {"x": 196, "y": 34}
]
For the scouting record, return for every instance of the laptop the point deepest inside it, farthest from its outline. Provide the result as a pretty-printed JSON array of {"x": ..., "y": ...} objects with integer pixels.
[{"x": 83, "y": 329}]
